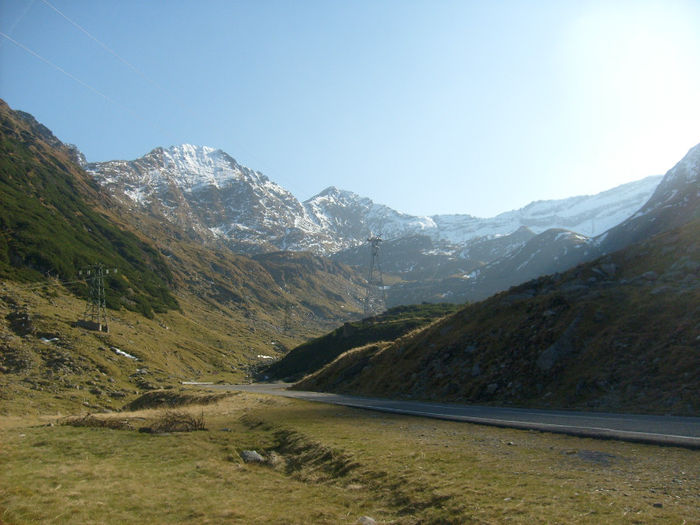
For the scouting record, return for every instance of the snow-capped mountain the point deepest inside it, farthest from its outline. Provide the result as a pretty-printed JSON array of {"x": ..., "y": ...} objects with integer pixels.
[
  {"x": 209, "y": 195},
  {"x": 347, "y": 215},
  {"x": 588, "y": 215},
  {"x": 675, "y": 202}
]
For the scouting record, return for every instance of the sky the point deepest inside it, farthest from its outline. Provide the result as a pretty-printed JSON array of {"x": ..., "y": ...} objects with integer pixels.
[{"x": 429, "y": 107}]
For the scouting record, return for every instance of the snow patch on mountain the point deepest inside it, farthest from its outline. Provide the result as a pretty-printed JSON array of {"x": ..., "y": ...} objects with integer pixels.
[
  {"x": 206, "y": 191},
  {"x": 589, "y": 215}
]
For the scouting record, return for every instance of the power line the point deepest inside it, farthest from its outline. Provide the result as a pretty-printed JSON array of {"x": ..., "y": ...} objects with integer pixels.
[
  {"x": 375, "y": 298},
  {"x": 19, "y": 18},
  {"x": 120, "y": 58},
  {"x": 182, "y": 105},
  {"x": 59, "y": 68},
  {"x": 81, "y": 82},
  {"x": 106, "y": 47},
  {"x": 90, "y": 35}
]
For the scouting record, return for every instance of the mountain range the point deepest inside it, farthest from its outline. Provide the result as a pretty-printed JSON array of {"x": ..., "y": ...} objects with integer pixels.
[
  {"x": 209, "y": 194},
  {"x": 613, "y": 324},
  {"x": 619, "y": 332},
  {"x": 205, "y": 193}
]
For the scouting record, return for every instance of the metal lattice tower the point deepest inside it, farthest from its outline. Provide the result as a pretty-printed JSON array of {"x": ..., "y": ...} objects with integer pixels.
[
  {"x": 375, "y": 298},
  {"x": 96, "y": 307}
]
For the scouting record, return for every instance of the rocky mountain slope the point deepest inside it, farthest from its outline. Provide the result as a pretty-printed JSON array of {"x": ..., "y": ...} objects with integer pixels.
[
  {"x": 588, "y": 215},
  {"x": 675, "y": 201},
  {"x": 207, "y": 193},
  {"x": 179, "y": 309},
  {"x": 616, "y": 333}
]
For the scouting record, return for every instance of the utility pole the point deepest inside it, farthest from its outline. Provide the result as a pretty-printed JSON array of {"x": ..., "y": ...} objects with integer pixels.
[
  {"x": 95, "y": 316},
  {"x": 375, "y": 298}
]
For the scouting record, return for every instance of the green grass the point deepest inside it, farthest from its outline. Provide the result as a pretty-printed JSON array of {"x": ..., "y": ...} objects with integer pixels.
[
  {"x": 393, "y": 323},
  {"x": 330, "y": 464},
  {"x": 627, "y": 343},
  {"x": 54, "y": 221}
]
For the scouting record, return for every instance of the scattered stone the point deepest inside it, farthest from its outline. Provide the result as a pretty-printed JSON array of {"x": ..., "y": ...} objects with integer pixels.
[
  {"x": 609, "y": 269},
  {"x": 15, "y": 360},
  {"x": 20, "y": 322},
  {"x": 562, "y": 348},
  {"x": 491, "y": 388},
  {"x": 650, "y": 276},
  {"x": 452, "y": 388},
  {"x": 366, "y": 520},
  {"x": 117, "y": 394},
  {"x": 476, "y": 370},
  {"x": 574, "y": 288},
  {"x": 252, "y": 456},
  {"x": 594, "y": 456}
]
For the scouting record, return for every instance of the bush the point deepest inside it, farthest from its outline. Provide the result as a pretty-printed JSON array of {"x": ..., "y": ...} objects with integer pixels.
[{"x": 176, "y": 421}]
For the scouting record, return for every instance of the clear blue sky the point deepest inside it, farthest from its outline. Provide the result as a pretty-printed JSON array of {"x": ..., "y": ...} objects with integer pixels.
[{"x": 428, "y": 106}]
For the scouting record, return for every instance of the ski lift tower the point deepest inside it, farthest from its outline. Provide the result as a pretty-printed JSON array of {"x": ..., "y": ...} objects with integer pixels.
[
  {"x": 375, "y": 298},
  {"x": 95, "y": 316}
]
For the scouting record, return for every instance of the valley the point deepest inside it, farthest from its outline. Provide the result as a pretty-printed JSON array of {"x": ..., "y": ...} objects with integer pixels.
[
  {"x": 224, "y": 277},
  {"x": 330, "y": 464}
]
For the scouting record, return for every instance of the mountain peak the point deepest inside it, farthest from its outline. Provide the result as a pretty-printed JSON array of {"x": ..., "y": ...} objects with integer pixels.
[
  {"x": 688, "y": 168},
  {"x": 337, "y": 193},
  {"x": 330, "y": 190}
]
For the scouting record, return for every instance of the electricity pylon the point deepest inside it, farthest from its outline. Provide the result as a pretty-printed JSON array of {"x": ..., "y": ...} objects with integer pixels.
[
  {"x": 96, "y": 308},
  {"x": 375, "y": 298}
]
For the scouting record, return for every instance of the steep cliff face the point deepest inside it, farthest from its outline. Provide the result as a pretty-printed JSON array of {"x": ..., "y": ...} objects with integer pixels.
[{"x": 209, "y": 195}]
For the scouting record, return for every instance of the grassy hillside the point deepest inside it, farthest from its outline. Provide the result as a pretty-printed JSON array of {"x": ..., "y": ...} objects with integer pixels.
[
  {"x": 186, "y": 311},
  {"x": 53, "y": 222},
  {"x": 393, "y": 323},
  {"x": 619, "y": 333}
]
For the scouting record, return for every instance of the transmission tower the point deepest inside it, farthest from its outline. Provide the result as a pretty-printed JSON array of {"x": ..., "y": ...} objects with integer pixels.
[
  {"x": 96, "y": 308},
  {"x": 375, "y": 298}
]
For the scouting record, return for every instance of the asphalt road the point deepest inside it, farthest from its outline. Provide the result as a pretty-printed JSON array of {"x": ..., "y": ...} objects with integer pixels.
[{"x": 658, "y": 430}]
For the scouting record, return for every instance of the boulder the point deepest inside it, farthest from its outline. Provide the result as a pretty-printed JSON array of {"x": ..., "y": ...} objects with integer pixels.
[{"x": 251, "y": 456}]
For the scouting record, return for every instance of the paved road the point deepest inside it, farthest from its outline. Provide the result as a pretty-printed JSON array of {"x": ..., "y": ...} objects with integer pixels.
[{"x": 660, "y": 430}]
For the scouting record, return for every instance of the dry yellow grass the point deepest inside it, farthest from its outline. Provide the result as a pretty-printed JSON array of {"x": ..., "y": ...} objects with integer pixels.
[
  {"x": 62, "y": 368},
  {"x": 328, "y": 464}
]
